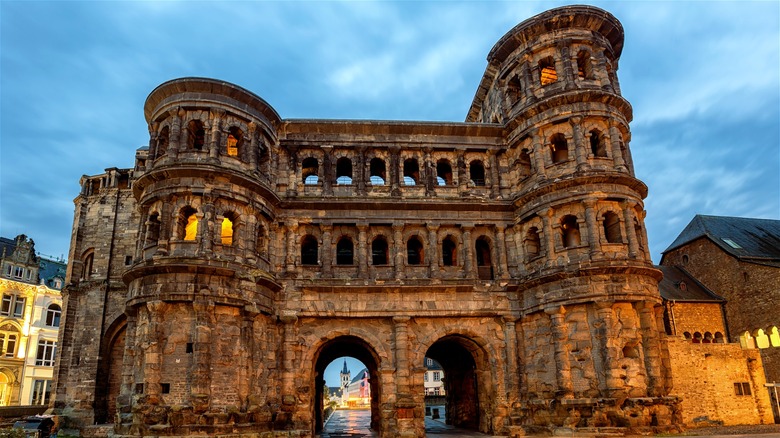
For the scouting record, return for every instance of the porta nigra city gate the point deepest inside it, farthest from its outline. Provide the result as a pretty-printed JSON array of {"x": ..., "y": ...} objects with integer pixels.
[{"x": 211, "y": 284}]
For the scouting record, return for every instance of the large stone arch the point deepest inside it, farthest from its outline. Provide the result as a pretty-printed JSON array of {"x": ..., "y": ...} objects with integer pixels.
[
  {"x": 473, "y": 373},
  {"x": 109, "y": 372}
]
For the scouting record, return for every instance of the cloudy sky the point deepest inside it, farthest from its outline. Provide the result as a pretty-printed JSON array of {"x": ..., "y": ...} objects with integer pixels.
[{"x": 703, "y": 78}]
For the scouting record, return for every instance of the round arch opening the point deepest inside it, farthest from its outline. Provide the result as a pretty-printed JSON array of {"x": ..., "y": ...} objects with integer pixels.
[
  {"x": 466, "y": 384},
  {"x": 346, "y": 346}
]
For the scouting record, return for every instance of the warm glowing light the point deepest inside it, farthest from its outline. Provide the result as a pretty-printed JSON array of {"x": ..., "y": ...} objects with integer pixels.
[
  {"x": 232, "y": 145},
  {"x": 549, "y": 75},
  {"x": 191, "y": 229},
  {"x": 227, "y": 231}
]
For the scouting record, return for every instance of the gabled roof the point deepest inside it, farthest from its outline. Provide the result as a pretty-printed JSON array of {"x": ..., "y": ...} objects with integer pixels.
[
  {"x": 359, "y": 376},
  {"x": 748, "y": 239},
  {"x": 678, "y": 285},
  {"x": 51, "y": 269},
  {"x": 7, "y": 246}
]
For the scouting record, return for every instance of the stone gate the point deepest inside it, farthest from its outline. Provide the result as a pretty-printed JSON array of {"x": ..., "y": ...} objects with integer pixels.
[{"x": 211, "y": 284}]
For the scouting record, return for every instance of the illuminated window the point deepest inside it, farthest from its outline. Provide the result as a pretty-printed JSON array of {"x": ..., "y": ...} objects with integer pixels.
[
  {"x": 46, "y": 352},
  {"x": 12, "y": 305},
  {"x": 228, "y": 228},
  {"x": 234, "y": 140},
  {"x": 571, "y": 231},
  {"x": 548, "y": 75},
  {"x": 53, "y": 313},
  {"x": 9, "y": 335},
  {"x": 188, "y": 224}
]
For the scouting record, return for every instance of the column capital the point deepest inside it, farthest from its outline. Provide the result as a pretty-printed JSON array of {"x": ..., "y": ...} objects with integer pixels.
[{"x": 401, "y": 319}]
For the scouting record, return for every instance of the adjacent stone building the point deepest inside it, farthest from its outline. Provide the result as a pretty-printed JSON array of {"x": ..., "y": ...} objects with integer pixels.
[
  {"x": 738, "y": 260},
  {"x": 210, "y": 285}
]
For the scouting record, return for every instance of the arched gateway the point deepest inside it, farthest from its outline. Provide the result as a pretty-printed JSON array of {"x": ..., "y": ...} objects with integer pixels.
[{"x": 211, "y": 284}]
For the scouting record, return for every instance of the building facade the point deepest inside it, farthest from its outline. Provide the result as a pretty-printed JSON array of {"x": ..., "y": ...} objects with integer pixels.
[
  {"x": 29, "y": 322},
  {"x": 210, "y": 285}
]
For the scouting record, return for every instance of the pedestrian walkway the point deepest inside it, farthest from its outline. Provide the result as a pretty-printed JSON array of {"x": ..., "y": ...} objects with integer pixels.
[{"x": 355, "y": 424}]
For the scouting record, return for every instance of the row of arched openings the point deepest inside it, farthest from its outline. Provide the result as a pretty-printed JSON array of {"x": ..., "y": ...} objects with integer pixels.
[
  {"x": 187, "y": 226},
  {"x": 310, "y": 172},
  {"x": 706, "y": 338},
  {"x": 559, "y": 146},
  {"x": 195, "y": 133},
  {"x": 761, "y": 338},
  {"x": 570, "y": 233}
]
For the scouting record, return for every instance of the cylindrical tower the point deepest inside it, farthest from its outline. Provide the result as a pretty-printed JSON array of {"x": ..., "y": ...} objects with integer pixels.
[
  {"x": 201, "y": 284},
  {"x": 589, "y": 289}
]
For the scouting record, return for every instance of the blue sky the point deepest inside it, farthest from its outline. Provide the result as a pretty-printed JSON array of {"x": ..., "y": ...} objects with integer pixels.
[{"x": 703, "y": 79}]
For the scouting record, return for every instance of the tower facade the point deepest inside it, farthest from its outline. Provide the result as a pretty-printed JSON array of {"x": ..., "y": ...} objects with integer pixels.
[{"x": 245, "y": 252}]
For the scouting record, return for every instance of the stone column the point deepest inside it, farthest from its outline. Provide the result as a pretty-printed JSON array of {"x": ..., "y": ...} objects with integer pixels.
[
  {"x": 326, "y": 251},
  {"x": 468, "y": 255},
  {"x": 592, "y": 223},
  {"x": 560, "y": 336},
  {"x": 292, "y": 239},
  {"x": 433, "y": 254},
  {"x": 175, "y": 143},
  {"x": 651, "y": 347},
  {"x": 327, "y": 170},
  {"x": 395, "y": 189},
  {"x": 153, "y": 145},
  {"x": 463, "y": 179},
  {"x": 569, "y": 74},
  {"x": 362, "y": 251},
  {"x": 528, "y": 79},
  {"x": 512, "y": 374},
  {"x": 617, "y": 153},
  {"x": 216, "y": 117},
  {"x": 628, "y": 219},
  {"x": 402, "y": 365},
  {"x": 520, "y": 255},
  {"x": 549, "y": 234},
  {"x": 539, "y": 153},
  {"x": 580, "y": 149},
  {"x": 294, "y": 173},
  {"x": 605, "y": 330},
  {"x": 128, "y": 364},
  {"x": 495, "y": 181},
  {"x": 289, "y": 318},
  {"x": 399, "y": 247},
  {"x": 361, "y": 174},
  {"x": 430, "y": 173},
  {"x": 200, "y": 371},
  {"x": 153, "y": 354},
  {"x": 503, "y": 269},
  {"x": 251, "y": 154}
]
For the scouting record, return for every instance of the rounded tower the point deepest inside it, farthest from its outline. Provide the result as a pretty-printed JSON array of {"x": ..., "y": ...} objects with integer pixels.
[
  {"x": 588, "y": 287},
  {"x": 201, "y": 283}
]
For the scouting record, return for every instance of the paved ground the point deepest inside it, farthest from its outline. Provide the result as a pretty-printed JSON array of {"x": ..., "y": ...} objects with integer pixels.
[{"x": 354, "y": 424}]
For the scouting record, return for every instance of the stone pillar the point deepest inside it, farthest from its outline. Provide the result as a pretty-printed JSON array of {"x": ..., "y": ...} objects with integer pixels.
[
  {"x": 651, "y": 347},
  {"x": 289, "y": 319},
  {"x": 433, "y": 254},
  {"x": 593, "y": 231},
  {"x": 153, "y": 354},
  {"x": 326, "y": 251},
  {"x": 605, "y": 331},
  {"x": 362, "y": 251},
  {"x": 617, "y": 153},
  {"x": 175, "y": 143},
  {"x": 216, "y": 117},
  {"x": 503, "y": 269},
  {"x": 539, "y": 153},
  {"x": 251, "y": 154},
  {"x": 327, "y": 171},
  {"x": 549, "y": 235},
  {"x": 292, "y": 239},
  {"x": 495, "y": 181},
  {"x": 395, "y": 168},
  {"x": 468, "y": 255},
  {"x": 402, "y": 365},
  {"x": 512, "y": 372},
  {"x": 463, "y": 179},
  {"x": 430, "y": 173},
  {"x": 153, "y": 145},
  {"x": 628, "y": 219},
  {"x": 560, "y": 336},
  {"x": 361, "y": 171},
  {"x": 569, "y": 74},
  {"x": 124, "y": 401},
  {"x": 580, "y": 149},
  {"x": 201, "y": 354},
  {"x": 399, "y": 247},
  {"x": 204, "y": 227},
  {"x": 294, "y": 173}
]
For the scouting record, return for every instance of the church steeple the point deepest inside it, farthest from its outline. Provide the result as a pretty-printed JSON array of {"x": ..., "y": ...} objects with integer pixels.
[{"x": 346, "y": 376}]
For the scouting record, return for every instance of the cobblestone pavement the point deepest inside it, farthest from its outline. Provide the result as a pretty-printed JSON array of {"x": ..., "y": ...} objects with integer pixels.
[
  {"x": 354, "y": 424},
  {"x": 764, "y": 430}
]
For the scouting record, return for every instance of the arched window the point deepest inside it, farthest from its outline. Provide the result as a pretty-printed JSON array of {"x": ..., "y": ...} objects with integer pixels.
[
  {"x": 484, "y": 265},
  {"x": 559, "y": 148},
  {"x": 571, "y": 231},
  {"x": 524, "y": 164},
  {"x": 477, "y": 173},
  {"x": 309, "y": 250},
  {"x": 377, "y": 172},
  {"x": 719, "y": 339},
  {"x": 533, "y": 244},
  {"x": 344, "y": 171},
  {"x": 9, "y": 337},
  {"x": 514, "y": 88},
  {"x": 584, "y": 65},
  {"x": 162, "y": 142},
  {"x": 153, "y": 229},
  {"x": 448, "y": 255},
  {"x": 443, "y": 173},
  {"x": 411, "y": 172},
  {"x": 229, "y": 225},
  {"x": 53, "y": 313},
  {"x": 598, "y": 146},
  {"x": 612, "y": 228},
  {"x": 547, "y": 72},
  {"x": 687, "y": 335},
  {"x": 707, "y": 338},
  {"x": 414, "y": 251},
  {"x": 344, "y": 251},
  {"x": 235, "y": 140},
  {"x": 310, "y": 171},
  {"x": 774, "y": 336},
  {"x": 379, "y": 251},
  {"x": 188, "y": 224},
  {"x": 196, "y": 135},
  {"x": 86, "y": 270},
  {"x": 262, "y": 240},
  {"x": 697, "y": 338}
]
